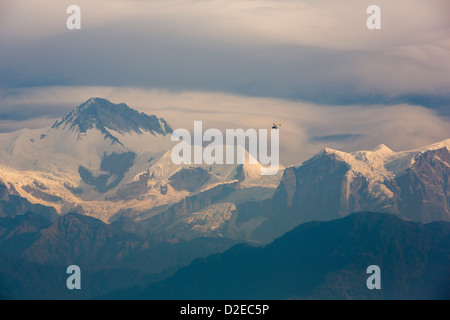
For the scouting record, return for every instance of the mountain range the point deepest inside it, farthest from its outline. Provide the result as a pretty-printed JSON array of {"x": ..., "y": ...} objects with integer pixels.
[
  {"x": 111, "y": 162},
  {"x": 105, "y": 159},
  {"x": 98, "y": 189},
  {"x": 321, "y": 260},
  {"x": 413, "y": 185}
]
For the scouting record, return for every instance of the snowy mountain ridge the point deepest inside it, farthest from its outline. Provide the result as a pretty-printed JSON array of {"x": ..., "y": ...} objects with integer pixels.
[
  {"x": 379, "y": 165},
  {"x": 102, "y": 158},
  {"x": 394, "y": 163}
]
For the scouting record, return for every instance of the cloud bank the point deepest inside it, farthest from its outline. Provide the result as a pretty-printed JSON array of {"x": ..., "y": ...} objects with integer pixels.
[
  {"x": 312, "y": 50},
  {"x": 306, "y": 128}
]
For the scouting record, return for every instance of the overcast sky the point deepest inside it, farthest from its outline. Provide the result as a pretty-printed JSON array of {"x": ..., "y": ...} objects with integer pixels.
[{"x": 312, "y": 64}]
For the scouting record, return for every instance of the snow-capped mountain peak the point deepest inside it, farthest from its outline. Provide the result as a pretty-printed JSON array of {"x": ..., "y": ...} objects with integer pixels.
[
  {"x": 382, "y": 149},
  {"x": 102, "y": 114}
]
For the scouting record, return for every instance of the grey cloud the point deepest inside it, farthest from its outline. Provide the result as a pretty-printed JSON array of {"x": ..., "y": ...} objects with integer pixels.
[
  {"x": 336, "y": 137},
  {"x": 317, "y": 51},
  {"x": 36, "y": 123},
  {"x": 27, "y": 112},
  {"x": 253, "y": 52}
]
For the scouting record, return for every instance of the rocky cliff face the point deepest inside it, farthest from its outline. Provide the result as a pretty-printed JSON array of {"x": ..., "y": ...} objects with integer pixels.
[
  {"x": 330, "y": 186},
  {"x": 317, "y": 192},
  {"x": 4, "y": 192},
  {"x": 11, "y": 204},
  {"x": 425, "y": 187},
  {"x": 195, "y": 216}
]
